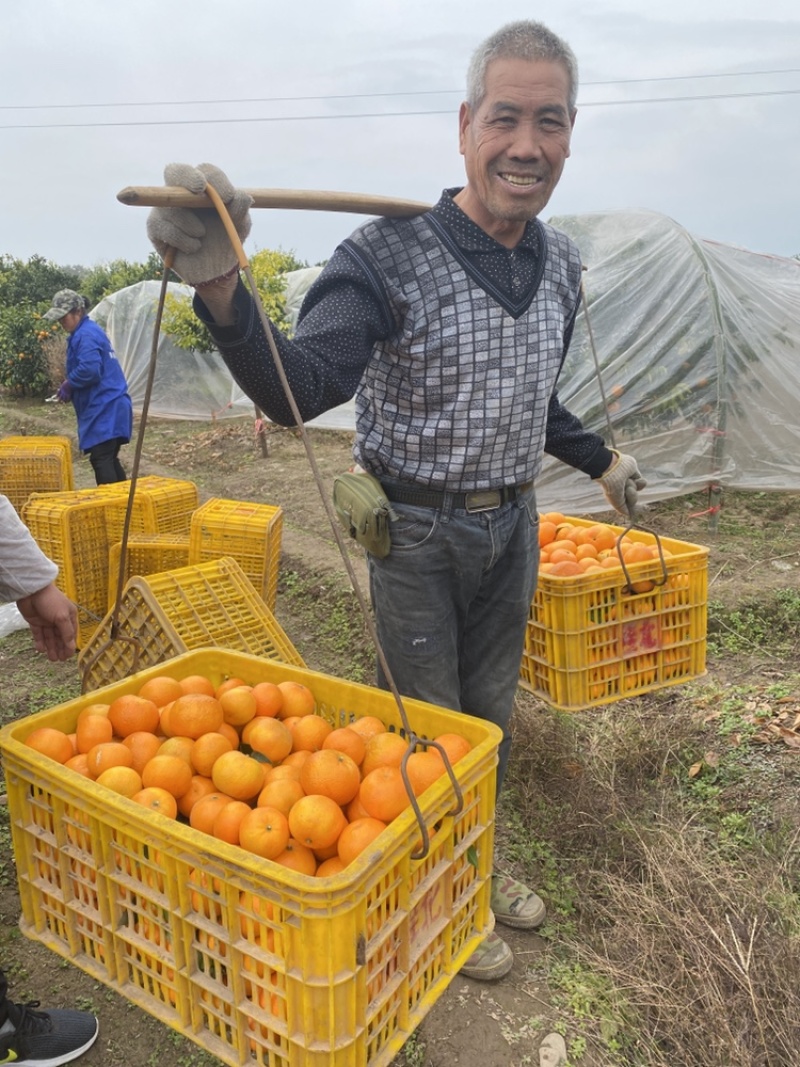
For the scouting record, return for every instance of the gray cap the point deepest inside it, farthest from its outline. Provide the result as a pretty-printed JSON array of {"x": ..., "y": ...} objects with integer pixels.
[{"x": 64, "y": 301}]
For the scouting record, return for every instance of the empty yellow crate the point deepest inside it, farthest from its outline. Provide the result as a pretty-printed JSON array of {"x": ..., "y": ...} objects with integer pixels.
[
  {"x": 75, "y": 537},
  {"x": 145, "y": 554},
  {"x": 589, "y": 641},
  {"x": 163, "y": 615},
  {"x": 34, "y": 464},
  {"x": 255, "y": 962},
  {"x": 249, "y": 532},
  {"x": 160, "y": 505}
]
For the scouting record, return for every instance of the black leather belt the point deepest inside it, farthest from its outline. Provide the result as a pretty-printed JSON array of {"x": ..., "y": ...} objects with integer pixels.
[{"x": 479, "y": 500}]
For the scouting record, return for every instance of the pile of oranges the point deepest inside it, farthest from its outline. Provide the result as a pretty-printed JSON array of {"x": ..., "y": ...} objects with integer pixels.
[
  {"x": 252, "y": 765},
  {"x": 570, "y": 550}
]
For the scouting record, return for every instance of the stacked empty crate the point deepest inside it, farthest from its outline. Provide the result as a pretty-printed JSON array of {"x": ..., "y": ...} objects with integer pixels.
[
  {"x": 163, "y": 615},
  {"x": 255, "y": 962},
  {"x": 77, "y": 528},
  {"x": 34, "y": 465},
  {"x": 593, "y": 639}
]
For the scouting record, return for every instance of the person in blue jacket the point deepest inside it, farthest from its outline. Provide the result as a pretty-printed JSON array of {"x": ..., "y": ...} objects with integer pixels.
[{"x": 96, "y": 385}]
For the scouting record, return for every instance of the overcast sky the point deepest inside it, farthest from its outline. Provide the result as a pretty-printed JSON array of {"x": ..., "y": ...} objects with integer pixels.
[{"x": 98, "y": 95}]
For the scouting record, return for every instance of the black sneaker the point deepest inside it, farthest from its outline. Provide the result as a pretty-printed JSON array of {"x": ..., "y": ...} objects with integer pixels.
[{"x": 30, "y": 1038}]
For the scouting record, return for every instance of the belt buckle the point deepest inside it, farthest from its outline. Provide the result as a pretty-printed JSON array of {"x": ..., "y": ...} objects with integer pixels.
[{"x": 482, "y": 500}]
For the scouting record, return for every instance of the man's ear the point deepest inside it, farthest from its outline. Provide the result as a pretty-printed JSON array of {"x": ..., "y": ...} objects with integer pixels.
[{"x": 464, "y": 120}]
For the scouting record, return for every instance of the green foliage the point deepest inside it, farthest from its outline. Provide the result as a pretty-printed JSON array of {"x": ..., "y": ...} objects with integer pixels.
[
  {"x": 268, "y": 268},
  {"x": 32, "y": 283},
  {"x": 23, "y": 364},
  {"x": 105, "y": 278}
]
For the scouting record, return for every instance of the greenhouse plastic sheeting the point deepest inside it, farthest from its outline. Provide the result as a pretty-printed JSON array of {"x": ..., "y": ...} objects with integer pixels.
[{"x": 695, "y": 346}]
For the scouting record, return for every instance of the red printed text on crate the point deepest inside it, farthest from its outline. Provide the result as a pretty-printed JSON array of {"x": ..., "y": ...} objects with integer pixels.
[
  {"x": 428, "y": 918},
  {"x": 640, "y": 635}
]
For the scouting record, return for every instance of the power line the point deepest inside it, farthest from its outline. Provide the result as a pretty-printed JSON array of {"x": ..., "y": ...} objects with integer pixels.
[
  {"x": 373, "y": 114},
  {"x": 369, "y": 96}
]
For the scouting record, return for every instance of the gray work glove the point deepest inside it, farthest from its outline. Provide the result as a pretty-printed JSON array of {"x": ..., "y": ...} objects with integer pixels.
[
  {"x": 203, "y": 250},
  {"x": 621, "y": 484}
]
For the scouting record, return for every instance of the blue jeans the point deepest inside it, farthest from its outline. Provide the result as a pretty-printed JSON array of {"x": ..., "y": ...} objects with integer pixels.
[{"x": 452, "y": 601}]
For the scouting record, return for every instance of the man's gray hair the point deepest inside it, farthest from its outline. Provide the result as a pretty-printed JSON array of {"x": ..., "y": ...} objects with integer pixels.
[{"x": 520, "y": 40}]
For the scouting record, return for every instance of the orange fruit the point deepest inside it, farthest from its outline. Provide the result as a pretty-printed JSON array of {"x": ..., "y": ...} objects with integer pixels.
[
  {"x": 316, "y": 821},
  {"x": 93, "y": 709},
  {"x": 343, "y": 739},
  {"x": 207, "y": 749},
  {"x": 383, "y": 793},
  {"x": 92, "y": 730},
  {"x": 281, "y": 793},
  {"x": 197, "y": 683},
  {"x": 367, "y": 726},
  {"x": 228, "y": 683},
  {"x": 157, "y": 800},
  {"x": 565, "y": 568},
  {"x": 238, "y": 705},
  {"x": 194, "y": 714},
  {"x": 172, "y": 773},
  {"x": 331, "y": 774},
  {"x": 561, "y": 555},
  {"x": 552, "y": 516},
  {"x": 586, "y": 551},
  {"x": 79, "y": 764},
  {"x": 51, "y": 742},
  {"x": 161, "y": 690},
  {"x": 271, "y": 738},
  {"x": 238, "y": 775},
  {"x": 547, "y": 533},
  {"x": 383, "y": 750},
  {"x": 264, "y": 832},
  {"x": 130, "y": 712},
  {"x": 230, "y": 732},
  {"x": 200, "y": 787},
  {"x": 329, "y": 867},
  {"x": 296, "y": 759},
  {"x": 326, "y": 853},
  {"x": 356, "y": 836},
  {"x": 355, "y": 809},
  {"x": 177, "y": 746},
  {"x": 281, "y": 772},
  {"x": 228, "y": 820},
  {"x": 269, "y": 698},
  {"x": 143, "y": 746},
  {"x": 205, "y": 810},
  {"x": 601, "y": 536},
  {"x": 297, "y": 699},
  {"x": 454, "y": 745},
  {"x": 423, "y": 769},
  {"x": 298, "y": 858},
  {"x": 123, "y": 780},
  {"x": 108, "y": 754},
  {"x": 310, "y": 732}
]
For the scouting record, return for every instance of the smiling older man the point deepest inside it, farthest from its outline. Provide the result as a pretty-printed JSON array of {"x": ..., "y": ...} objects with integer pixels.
[{"x": 450, "y": 329}]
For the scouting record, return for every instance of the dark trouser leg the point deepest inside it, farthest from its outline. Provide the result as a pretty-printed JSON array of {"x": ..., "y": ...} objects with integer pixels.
[
  {"x": 3, "y": 992},
  {"x": 104, "y": 461}
]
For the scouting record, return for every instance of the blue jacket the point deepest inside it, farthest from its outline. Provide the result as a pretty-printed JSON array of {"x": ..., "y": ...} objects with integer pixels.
[{"x": 99, "y": 390}]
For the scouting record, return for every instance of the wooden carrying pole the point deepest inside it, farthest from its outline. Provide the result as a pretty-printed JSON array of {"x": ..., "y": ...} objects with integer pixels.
[{"x": 286, "y": 199}]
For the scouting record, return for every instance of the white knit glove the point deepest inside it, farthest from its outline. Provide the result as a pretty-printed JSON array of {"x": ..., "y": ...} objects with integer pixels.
[
  {"x": 203, "y": 250},
  {"x": 621, "y": 484}
]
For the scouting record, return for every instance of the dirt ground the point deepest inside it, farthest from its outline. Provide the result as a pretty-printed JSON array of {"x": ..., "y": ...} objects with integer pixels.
[{"x": 472, "y": 1024}]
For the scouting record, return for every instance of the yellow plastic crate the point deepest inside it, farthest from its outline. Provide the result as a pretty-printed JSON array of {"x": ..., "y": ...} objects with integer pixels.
[
  {"x": 75, "y": 537},
  {"x": 34, "y": 464},
  {"x": 254, "y": 962},
  {"x": 249, "y": 532},
  {"x": 145, "y": 554},
  {"x": 589, "y": 641},
  {"x": 162, "y": 615},
  {"x": 160, "y": 506}
]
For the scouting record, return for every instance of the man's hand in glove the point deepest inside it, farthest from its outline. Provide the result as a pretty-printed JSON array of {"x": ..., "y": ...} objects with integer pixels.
[
  {"x": 621, "y": 484},
  {"x": 204, "y": 255},
  {"x": 64, "y": 393}
]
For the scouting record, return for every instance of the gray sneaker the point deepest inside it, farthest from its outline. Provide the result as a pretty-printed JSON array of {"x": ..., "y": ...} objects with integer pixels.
[
  {"x": 30, "y": 1038},
  {"x": 515, "y": 905}
]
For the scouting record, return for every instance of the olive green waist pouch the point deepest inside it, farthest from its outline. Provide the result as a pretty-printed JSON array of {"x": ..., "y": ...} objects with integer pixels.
[{"x": 364, "y": 511}]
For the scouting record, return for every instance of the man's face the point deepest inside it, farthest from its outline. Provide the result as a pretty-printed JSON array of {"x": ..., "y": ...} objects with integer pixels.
[
  {"x": 69, "y": 321},
  {"x": 515, "y": 145}
]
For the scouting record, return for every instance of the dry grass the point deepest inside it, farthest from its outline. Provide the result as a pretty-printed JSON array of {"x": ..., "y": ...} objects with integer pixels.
[
  {"x": 665, "y": 891},
  {"x": 55, "y": 355}
]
